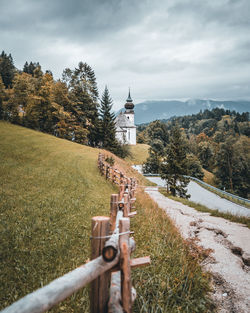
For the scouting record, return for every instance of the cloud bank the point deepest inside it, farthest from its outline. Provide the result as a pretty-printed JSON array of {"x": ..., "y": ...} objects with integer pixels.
[{"x": 161, "y": 49}]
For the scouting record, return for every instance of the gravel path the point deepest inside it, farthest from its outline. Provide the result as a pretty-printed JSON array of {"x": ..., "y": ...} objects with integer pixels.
[
  {"x": 208, "y": 198},
  {"x": 229, "y": 261}
]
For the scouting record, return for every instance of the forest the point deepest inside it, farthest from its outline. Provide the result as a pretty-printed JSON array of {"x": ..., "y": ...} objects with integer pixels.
[
  {"x": 217, "y": 141},
  {"x": 68, "y": 108}
]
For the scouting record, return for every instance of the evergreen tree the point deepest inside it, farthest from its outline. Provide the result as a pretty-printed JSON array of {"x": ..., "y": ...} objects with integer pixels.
[
  {"x": 30, "y": 68},
  {"x": 174, "y": 165},
  {"x": 7, "y": 69},
  {"x": 83, "y": 93},
  {"x": 205, "y": 154},
  {"x": 157, "y": 130},
  {"x": 154, "y": 160},
  {"x": 26, "y": 67},
  {"x": 2, "y": 95},
  {"x": 224, "y": 163},
  {"x": 233, "y": 165},
  {"x": 107, "y": 123},
  {"x": 194, "y": 166}
]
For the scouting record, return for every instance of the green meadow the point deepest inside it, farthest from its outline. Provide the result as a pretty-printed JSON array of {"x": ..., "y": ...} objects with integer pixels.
[{"x": 49, "y": 190}]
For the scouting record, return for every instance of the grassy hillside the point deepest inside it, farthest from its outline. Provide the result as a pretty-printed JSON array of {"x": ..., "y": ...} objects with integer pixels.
[
  {"x": 50, "y": 189},
  {"x": 139, "y": 154}
]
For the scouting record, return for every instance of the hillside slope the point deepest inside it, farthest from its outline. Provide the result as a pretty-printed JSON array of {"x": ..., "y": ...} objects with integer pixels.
[
  {"x": 50, "y": 189},
  {"x": 139, "y": 154}
]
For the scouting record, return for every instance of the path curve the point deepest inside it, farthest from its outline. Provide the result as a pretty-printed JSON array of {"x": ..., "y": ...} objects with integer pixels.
[
  {"x": 229, "y": 262},
  {"x": 208, "y": 198}
]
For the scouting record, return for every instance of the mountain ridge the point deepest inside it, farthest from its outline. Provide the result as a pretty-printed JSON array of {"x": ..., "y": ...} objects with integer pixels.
[{"x": 151, "y": 110}]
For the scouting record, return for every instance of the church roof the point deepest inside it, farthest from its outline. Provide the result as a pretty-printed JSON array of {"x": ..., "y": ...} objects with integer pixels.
[
  {"x": 122, "y": 121},
  {"x": 129, "y": 105},
  {"x": 129, "y": 99}
]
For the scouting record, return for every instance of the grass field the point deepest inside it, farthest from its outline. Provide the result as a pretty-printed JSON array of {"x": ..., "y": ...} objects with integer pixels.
[
  {"x": 50, "y": 189},
  {"x": 139, "y": 154}
]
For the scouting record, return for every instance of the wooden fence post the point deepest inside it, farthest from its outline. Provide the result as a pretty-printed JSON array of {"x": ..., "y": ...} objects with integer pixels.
[
  {"x": 126, "y": 285},
  {"x": 126, "y": 209},
  {"x": 99, "y": 292},
  {"x": 113, "y": 210},
  {"x": 112, "y": 175}
]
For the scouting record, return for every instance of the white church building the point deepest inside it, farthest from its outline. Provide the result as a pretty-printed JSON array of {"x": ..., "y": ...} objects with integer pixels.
[{"x": 125, "y": 124}]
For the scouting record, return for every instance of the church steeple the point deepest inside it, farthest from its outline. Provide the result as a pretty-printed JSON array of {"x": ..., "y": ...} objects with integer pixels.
[{"x": 129, "y": 105}]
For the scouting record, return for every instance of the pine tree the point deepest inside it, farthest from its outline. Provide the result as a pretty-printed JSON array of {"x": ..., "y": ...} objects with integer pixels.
[
  {"x": 2, "y": 94},
  {"x": 156, "y": 153},
  {"x": 83, "y": 93},
  {"x": 30, "y": 68},
  {"x": 174, "y": 165},
  {"x": 7, "y": 69},
  {"x": 233, "y": 165},
  {"x": 107, "y": 123},
  {"x": 26, "y": 67}
]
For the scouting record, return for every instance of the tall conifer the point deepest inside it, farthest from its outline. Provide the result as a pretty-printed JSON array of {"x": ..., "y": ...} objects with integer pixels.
[
  {"x": 2, "y": 93},
  {"x": 83, "y": 93},
  {"x": 175, "y": 164},
  {"x": 107, "y": 124},
  {"x": 7, "y": 69}
]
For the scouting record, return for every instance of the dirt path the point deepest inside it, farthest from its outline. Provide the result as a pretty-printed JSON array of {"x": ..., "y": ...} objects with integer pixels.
[{"x": 229, "y": 262}]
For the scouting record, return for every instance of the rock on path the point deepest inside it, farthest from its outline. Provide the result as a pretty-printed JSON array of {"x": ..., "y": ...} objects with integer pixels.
[{"x": 229, "y": 262}]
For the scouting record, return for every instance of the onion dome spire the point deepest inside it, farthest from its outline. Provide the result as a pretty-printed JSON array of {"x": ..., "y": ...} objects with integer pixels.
[{"x": 129, "y": 105}]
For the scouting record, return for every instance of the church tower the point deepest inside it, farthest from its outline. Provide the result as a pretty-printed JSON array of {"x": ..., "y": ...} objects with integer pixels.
[
  {"x": 129, "y": 106},
  {"x": 125, "y": 123}
]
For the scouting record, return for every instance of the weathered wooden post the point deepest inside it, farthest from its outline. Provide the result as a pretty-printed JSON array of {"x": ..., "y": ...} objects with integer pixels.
[
  {"x": 129, "y": 187},
  {"x": 102, "y": 168},
  {"x": 121, "y": 178},
  {"x": 121, "y": 191},
  {"x": 113, "y": 211},
  {"x": 107, "y": 171},
  {"x": 126, "y": 285},
  {"x": 126, "y": 209},
  {"x": 99, "y": 292},
  {"x": 112, "y": 175}
]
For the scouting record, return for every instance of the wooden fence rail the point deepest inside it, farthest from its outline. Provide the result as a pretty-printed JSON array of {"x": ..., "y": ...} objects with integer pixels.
[{"x": 109, "y": 270}]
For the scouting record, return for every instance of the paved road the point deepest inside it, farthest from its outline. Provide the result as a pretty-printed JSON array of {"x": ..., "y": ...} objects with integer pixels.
[{"x": 208, "y": 198}]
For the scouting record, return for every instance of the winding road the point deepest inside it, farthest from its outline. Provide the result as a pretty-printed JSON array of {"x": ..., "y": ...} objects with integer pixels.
[{"x": 209, "y": 199}]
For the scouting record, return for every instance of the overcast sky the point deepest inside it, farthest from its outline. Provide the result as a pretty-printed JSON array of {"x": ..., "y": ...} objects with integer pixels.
[{"x": 173, "y": 49}]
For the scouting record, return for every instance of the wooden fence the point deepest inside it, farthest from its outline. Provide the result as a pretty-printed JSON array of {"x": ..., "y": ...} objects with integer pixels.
[{"x": 109, "y": 270}]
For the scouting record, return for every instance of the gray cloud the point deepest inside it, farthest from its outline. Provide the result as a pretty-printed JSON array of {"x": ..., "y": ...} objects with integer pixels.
[{"x": 173, "y": 49}]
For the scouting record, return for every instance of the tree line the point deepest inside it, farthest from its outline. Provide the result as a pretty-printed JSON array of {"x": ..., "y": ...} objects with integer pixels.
[
  {"x": 217, "y": 141},
  {"x": 68, "y": 108}
]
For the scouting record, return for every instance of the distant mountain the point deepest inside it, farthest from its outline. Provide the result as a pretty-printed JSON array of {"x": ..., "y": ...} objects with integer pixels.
[{"x": 152, "y": 110}]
